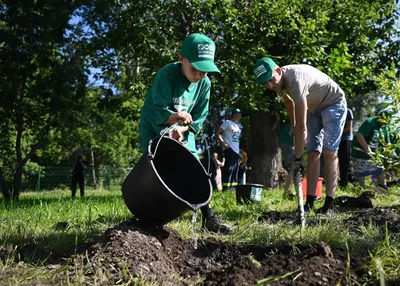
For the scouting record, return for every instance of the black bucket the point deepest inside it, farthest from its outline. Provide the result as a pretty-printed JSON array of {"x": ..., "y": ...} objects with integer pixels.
[
  {"x": 248, "y": 193},
  {"x": 166, "y": 182}
]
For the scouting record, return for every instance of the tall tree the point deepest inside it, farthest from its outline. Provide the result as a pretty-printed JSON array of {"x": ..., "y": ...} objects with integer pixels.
[
  {"x": 348, "y": 40},
  {"x": 42, "y": 80}
]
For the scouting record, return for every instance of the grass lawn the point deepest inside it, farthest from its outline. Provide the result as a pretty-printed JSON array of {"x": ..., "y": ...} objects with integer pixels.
[{"x": 52, "y": 222}]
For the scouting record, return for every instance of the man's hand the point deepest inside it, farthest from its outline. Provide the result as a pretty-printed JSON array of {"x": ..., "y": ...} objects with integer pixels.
[
  {"x": 183, "y": 118},
  {"x": 296, "y": 166},
  {"x": 225, "y": 145}
]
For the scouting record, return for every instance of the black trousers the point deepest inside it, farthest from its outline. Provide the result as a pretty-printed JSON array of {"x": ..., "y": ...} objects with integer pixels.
[
  {"x": 344, "y": 162},
  {"x": 229, "y": 171},
  {"x": 78, "y": 179}
]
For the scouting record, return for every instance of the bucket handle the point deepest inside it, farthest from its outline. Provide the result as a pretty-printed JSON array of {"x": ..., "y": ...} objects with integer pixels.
[
  {"x": 171, "y": 128},
  {"x": 166, "y": 130}
]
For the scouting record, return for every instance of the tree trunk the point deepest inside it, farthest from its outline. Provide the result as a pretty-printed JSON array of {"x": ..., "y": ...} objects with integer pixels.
[
  {"x": 266, "y": 159},
  {"x": 93, "y": 169}
]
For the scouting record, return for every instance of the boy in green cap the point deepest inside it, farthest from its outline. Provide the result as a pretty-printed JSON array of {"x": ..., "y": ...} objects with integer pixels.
[
  {"x": 317, "y": 108},
  {"x": 180, "y": 94}
]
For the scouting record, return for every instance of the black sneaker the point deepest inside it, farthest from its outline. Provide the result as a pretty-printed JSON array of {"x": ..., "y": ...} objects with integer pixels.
[
  {"x": 327, "y": 211},
  {"x": 215, "y": 224},
  {"x": 306, "y": 208}
]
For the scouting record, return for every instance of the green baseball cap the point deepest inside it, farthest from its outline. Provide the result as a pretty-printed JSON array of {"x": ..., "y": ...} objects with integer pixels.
[
  {"x": 236, "y": 111},
  {"x": 263, "y": 69},
  {"x": 199, "y": 50}
]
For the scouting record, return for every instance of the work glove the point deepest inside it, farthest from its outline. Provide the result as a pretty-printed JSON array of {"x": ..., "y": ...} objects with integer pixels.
[{"x": 297, "y": 166}]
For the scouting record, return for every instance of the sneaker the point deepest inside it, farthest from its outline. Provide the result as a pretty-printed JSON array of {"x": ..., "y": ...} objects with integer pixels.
[
  {"x": 327, "y": 211},
  {"x": 215, "y": 224},
  {"x": 306, "y": 209},
  {"x": 288, "y": 196}
]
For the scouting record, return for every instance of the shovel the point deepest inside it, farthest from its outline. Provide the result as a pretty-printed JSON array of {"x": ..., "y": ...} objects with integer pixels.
[{"x": 299, "y": 194}]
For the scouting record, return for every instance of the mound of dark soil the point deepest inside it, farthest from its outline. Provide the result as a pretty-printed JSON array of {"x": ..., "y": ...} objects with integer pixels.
[
  {"x": 161, "y": 256},
  {"x": 379, "y": 217}
]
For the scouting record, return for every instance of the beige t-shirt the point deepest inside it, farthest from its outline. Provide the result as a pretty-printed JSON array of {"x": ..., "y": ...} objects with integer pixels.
[{"x": 318, "y": 87}]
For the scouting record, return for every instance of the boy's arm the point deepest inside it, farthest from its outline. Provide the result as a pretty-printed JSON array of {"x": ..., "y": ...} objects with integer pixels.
[
  {"x": 200, "y": 112},
  {"x": 162, "y": 94}
]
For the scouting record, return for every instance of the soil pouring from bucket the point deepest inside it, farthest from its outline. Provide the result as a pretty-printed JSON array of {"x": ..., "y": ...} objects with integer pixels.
[{"x": 167, "y": 182}]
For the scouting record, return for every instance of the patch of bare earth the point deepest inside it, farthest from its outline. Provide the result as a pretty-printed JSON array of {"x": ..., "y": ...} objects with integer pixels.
[{"x": 161, "y": 256}]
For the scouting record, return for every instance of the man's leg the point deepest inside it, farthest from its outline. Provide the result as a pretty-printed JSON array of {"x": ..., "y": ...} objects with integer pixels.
[
  {"x": 315, "y": 135},
  {"x": 73, "y": 187},
  {"x": 81, "y": 182},
  {"x": 331, "y": 171},
  {"x": 333, "y": 120},
  {"x": 313, "y": 169},
  {"x": 344, "y": 162},
  {"x": 229, "y": 168}
]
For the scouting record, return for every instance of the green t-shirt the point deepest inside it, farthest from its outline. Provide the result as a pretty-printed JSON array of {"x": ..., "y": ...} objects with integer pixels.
[
  {"x": 172, "y": 92},
  {"x": 284, "y": 136},
  {"x": 372, "y": 131}
]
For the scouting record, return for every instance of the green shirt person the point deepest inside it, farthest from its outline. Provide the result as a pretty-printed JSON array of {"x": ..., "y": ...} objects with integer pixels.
[
  {"x": 180, "y": 93},
  {"x": 367, "y": 139}
]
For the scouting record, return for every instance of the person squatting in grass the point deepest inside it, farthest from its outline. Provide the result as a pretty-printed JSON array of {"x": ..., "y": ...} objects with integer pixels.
[
  {"x": 367, "y": 140},
  {"x": 228, "y": 134},
  {"x": 180, "y": 93},
  {"x": 317, "y": 109}
]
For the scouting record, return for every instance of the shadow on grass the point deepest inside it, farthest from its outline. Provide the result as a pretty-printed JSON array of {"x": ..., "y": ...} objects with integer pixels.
[
  {"x": 25, "y": 202},
  {"x": 64, "y": 240}
]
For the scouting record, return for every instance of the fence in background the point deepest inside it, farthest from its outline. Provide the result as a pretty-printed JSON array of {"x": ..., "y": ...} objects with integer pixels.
[{"x": 49, "y": 178}]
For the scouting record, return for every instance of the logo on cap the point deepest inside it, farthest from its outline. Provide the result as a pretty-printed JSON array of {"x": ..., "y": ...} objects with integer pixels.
[
  {"x": 260, "y": 70},
  {"x": 206, "y": 51}
]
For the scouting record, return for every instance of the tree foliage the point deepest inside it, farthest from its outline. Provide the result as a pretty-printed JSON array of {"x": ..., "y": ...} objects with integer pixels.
[{"x": 46, "y": 100}]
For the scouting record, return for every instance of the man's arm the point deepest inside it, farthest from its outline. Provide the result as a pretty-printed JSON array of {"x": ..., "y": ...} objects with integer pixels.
[
  {"x": 300, "y": 134},
  {"x": 220, "y": 139},
  {"x": 363, "y": 143},
  {"x": 289, "y": 105}
]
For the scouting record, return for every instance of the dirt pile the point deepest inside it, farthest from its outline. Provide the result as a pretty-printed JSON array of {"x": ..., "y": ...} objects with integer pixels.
[
  {"x": 160, "y": 255},
  {"x": 378, "y": 217}
]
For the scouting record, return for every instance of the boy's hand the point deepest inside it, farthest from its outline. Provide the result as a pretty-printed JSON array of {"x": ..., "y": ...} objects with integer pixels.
[
  {"x": 177, "y": 134},
  {"x": 183, "y": 118}
]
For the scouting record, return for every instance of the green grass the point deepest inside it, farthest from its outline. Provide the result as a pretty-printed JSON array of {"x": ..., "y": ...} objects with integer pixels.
[{"x": 53, "y": 222}]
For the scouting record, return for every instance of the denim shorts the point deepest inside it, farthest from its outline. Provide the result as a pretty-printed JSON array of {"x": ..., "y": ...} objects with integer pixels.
[{"x": 325, "y": 126}]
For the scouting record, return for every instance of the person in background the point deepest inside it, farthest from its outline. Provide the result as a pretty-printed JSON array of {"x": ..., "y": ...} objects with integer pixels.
[
  {"x": 316, "y": 106},
  {"x": 218, "y": 165},
  {"x": 180, "y": 93},
  {"x": 228, "y": 134},
  {"x": 366, "y": 141},
  {"x": 78, "y": 176},
  {"x": 345, "y": 149},
  {"x": 287, "y": 148}
]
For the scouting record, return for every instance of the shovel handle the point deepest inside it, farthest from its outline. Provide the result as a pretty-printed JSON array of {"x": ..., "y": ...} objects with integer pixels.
[{"x": 299, "y": 193}]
